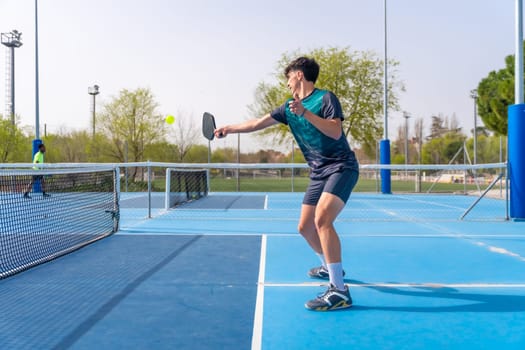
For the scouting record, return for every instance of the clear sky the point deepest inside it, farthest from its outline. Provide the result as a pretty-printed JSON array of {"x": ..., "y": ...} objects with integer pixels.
[{"x": 209, "y": 55}]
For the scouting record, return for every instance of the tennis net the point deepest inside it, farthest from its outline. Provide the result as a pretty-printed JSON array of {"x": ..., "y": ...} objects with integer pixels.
[
  {"x": 48, "y": 213},
  {"x": 184, "y": 185}
]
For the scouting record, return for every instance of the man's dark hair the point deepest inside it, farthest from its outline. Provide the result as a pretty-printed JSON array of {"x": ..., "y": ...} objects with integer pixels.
[
  {"x": 40, "y": 146},
  {"x": 308, "y": 66}
]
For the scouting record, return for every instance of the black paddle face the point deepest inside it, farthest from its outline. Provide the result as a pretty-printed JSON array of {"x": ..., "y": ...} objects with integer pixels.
[{"x": 208, "y": 125}]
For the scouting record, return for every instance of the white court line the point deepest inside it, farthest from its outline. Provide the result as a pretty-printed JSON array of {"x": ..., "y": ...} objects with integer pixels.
[
  {"x": 430, "y": 235},
  {"x": 179, "y": 216},
  {"x": 473, "y": 239},
  {"x": 432, "y": 203},
  {"x": 499, "y": 250},
  {"x": 130, "y": 230},
  {"x": 448, "y": 231},
  {"x": 404, "y": 285},
  {"x": 259, "y": 303}
]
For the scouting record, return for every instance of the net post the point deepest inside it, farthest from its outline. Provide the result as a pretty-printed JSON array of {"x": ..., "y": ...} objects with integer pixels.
[
  {"x": 207, "y": 181},
  {"x": 117, "y": 183},
  {"x": 507, "y": 186},
  {"x": 149, "y": 190},
  {"x": 116, "y": 198},
  {"x": 516, "y": 149},
  {"x": 465, "y": 163},
  {"x": 386, "y": 183},
  {"x": 168, "y": 186}
]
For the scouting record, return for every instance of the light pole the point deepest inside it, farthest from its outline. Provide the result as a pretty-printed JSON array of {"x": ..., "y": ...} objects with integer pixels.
[
  {"x": 384, "y": 145},
  {"x": 474, "y": 96},
  {"x": 37, "y": 140},
  {"x": 93, "y": 91},
  {"x": 12, "y": 41}
]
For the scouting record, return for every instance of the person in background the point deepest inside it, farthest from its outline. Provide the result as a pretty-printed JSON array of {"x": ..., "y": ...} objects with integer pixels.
[{"x": 38, "y": 159}]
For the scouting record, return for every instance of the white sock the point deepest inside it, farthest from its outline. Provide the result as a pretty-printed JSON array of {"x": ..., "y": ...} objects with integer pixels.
[
  {"x": 336, "y": 275},
  {"x": 321, "y": 257}
]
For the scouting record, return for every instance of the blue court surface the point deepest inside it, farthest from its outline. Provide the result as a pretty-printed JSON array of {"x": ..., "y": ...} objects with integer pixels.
[{"x": 229, "y": 272}]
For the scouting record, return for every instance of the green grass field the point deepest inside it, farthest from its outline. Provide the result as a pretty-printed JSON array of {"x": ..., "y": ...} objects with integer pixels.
[
  {"x": 299, "y": 185},
  {"x": 284, "y": 184}
]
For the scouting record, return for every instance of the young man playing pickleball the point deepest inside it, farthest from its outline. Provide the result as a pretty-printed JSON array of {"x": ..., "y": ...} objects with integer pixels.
[{"x": 315, "y": 119}]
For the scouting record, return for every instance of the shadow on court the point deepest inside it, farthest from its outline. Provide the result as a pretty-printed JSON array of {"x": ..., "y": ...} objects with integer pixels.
[
  {"x": 136, "y": 292},
  {"x": 478, "y": 302}
]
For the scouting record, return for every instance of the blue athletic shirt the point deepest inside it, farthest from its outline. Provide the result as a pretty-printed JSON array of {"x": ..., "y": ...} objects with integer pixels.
[{"x": 323, "y": 154}]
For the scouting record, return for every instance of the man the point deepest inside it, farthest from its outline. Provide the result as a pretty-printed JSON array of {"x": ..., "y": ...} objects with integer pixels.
[
  {"x": 37, "y": 159},
  {"x": 315, "y": 118}
]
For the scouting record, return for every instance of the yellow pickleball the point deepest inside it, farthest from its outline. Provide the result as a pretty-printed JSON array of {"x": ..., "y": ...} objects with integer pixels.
[{"x": 170, "y": 119}]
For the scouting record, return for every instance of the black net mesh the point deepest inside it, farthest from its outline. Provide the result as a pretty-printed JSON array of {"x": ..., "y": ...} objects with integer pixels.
[
  {"x": 183, "y": 185},
  {"x": 45, "y": 214}
]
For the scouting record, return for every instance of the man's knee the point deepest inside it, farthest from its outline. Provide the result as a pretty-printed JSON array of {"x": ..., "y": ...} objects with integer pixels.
[
  {"x": 323, "y": 221},
  {"x": 305, "y": 228}
]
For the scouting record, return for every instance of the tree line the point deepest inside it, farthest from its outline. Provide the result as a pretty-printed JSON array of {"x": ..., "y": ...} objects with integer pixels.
[{"x": 130, "y": 127}]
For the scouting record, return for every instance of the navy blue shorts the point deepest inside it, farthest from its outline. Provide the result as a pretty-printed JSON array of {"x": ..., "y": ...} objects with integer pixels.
[{"x": 340, "y": 184}]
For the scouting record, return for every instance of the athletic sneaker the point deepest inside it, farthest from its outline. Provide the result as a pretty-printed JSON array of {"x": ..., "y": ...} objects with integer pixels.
[
  {"x": 320, "y": 272},
  {"x": 26, "y": 195},
  {"x": 45, "y": 194},
  {"x": 332, "y": 299}
]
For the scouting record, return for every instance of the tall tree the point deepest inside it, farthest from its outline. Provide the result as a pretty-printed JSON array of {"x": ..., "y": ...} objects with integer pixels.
[
  {"x": 14, "y": 147},
  {"x": 197, "y": 154},
  {"x": 441, "y": 150},
  {"x": 131, "y": 121},
  {"x": 162, "y": 151},
  {"x": 356, "y": 77},
  {"x": 77, "y": 146},
  {"x": 453, "y": 124},
  {"x": 398, "y": 146},
  {"x": 495, "y": 94},
  {"x": 438, "y": 127},
  {"x": 418, "y": 138},
  {"x": 489, "y": 148}
]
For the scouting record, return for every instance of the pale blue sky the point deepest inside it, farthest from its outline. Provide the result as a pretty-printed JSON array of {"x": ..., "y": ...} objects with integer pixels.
[{"x": 205, "y": 55}]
